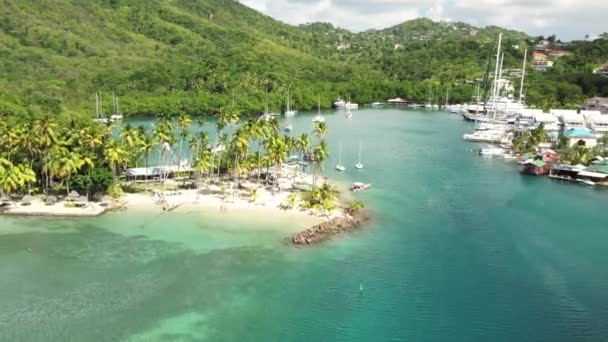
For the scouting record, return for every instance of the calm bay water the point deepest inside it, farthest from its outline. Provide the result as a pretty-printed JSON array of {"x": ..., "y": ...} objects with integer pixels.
[{"x": 463, "y": 249}]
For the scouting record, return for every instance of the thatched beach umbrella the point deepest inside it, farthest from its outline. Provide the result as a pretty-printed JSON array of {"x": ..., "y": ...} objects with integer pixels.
[
  {"x": 73, "y": 195},
  {"x": 82, "y": 199},
  {"x": 27, "y": 200},
  {"x": 50, "y": 200}
]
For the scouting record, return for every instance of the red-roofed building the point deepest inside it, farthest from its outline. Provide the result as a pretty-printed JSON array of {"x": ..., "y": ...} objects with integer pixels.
[
  {"x": 538, "y": 56},
  {"x": 558, "y": 53}
]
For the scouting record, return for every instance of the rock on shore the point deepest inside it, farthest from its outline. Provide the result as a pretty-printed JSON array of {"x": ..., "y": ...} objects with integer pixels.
[{"x": 326, "y": 230}]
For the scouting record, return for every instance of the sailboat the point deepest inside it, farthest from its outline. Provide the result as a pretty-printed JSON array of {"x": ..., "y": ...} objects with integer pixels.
[
  {"x": 267, "y": 114},
  {"x": 340, "y": 167},
  {"x": 359, "y": 164},
  {"x": 319, "y": 117},
  {"x": 117, "y": 115},
  {"x": 288, "y": 110},
  {"x": 99, "y": 111},
  {"x": 350, "y": 104}
]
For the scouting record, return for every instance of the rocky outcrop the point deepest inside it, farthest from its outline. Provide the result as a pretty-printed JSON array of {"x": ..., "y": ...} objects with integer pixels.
[{"x": 326, "y": 230}]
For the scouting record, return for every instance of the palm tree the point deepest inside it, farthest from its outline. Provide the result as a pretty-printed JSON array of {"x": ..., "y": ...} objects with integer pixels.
[
  {"x": 14, "y": 177},
  {"x": 146, "y": 145},
  {"x": 303, "y": 145},
  {"x": 320, "y": 130},
  {"x": 320, "y": 154},
  {"x": 202, "y": 164},
  {"x": 183, "y": 122},
  {"x": 223, "y": 141},
  {"x": 240, "y": 147},
  {"x": 115, "y": 156},
  {"x": 46, "y": 131}
]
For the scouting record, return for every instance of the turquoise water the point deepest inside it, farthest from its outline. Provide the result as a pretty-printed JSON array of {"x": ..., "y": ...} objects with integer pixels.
[{"x": 463, "y": 249}]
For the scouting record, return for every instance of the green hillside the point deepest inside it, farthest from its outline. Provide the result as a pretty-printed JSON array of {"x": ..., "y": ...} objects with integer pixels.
[{"x": 193, "y": 56}]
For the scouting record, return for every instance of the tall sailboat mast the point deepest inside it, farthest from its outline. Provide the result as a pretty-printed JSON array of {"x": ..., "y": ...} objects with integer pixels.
[
  {"x": 496, "y": 70},
  {"x": 523, "y": 76}
]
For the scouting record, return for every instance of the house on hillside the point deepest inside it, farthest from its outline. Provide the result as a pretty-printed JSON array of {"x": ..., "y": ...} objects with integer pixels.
[
  {"x": 543, "y": 45},
  {"x": 597, "y": 104},
  {"x": 581, "y": 137},
  {"x": 343, "y": 46},
  {"x": 558, "y": 53},
  {"x": 542, "y": 65},
  {"x": 538, "y": 56}
]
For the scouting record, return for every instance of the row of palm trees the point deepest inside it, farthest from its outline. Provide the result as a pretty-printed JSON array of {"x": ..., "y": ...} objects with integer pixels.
[{"x": 41, "y": 153}]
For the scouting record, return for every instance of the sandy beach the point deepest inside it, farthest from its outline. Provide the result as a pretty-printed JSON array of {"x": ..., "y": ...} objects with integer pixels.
[{"x": 269, "y": 204}]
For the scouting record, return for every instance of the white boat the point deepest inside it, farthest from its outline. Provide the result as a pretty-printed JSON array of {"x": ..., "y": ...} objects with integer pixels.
[
  {"x": 339, "y": 103},
  {"x": 485, "y": 136},
  {"x": 492, "y": 151},
  {"x": 319, "y": 118},
  {"x": 340, "y": 167},
  {"x": 349, "y": 114},
  {"x": 359, "y": 165},
  {"x": 288, "y": 128},
  {"x": 103, "y": 120},
  {"x": 359, "y": 186},
  {"x": 377, "y": 104},
  {"x": 288, "y": 110},
  {"x": 266, "y": 117},
  {"x": 117, "y": 114},
  {"x": 351, "y": 105},
  {"x": 585, "y": 181}
]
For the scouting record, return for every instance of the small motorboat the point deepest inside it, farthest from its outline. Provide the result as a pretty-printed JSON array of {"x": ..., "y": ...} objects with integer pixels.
[
  {"x": 492, "y": 151},
  {"x": 356, "y": 187},
  {"x": 340, "y": 168},
  {"x": 586, "y": 182},
  {"x": 318, "y": 119},
  {"x": 288, "y": 128},
  {"x": 349, "y": 115}
]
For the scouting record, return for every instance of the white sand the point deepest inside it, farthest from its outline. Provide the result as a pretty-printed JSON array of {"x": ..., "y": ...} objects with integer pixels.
[{"x": 39, "y": 208}]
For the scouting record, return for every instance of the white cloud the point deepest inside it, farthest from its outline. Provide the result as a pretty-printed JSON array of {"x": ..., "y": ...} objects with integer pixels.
[{"x": 569, "y": 19}]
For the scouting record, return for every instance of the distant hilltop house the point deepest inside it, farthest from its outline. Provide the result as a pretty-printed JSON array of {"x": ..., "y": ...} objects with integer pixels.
[
  {"x": 603, "y": 71},
  {"x": 597, "y": 104},
  {"x": 542, "y": 65},
  {"x": 543, "y": 45},
  {"x": 343, "y": 46},
  {"x": 397, "y": 46}
]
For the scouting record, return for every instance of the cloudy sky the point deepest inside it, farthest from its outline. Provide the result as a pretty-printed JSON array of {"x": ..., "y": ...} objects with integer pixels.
[{"x": 568, "y": 19}]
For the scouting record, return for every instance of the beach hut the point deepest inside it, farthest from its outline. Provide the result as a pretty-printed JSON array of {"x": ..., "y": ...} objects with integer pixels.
[
  {"x": 50, "y": 200},
  {"x": 27, "y": 200}
]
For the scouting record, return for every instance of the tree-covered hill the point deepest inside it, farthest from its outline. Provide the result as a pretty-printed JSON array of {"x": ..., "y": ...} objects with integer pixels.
[{"x": 194, "y": 56}]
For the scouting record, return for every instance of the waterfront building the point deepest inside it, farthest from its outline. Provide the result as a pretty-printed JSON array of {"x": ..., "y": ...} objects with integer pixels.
[
  {"x": 571, "y": 119},
  {"x": 581, "y": 137},
  {"x": 550, "y": 122}
]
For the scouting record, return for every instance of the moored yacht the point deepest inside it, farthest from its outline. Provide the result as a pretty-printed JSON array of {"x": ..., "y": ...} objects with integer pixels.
[{"x": 339, "y": 103}]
